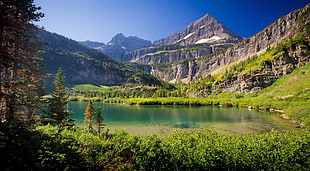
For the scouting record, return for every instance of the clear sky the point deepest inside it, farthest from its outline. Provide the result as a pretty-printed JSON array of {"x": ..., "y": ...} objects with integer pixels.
[{"x": 100, "y": 20}]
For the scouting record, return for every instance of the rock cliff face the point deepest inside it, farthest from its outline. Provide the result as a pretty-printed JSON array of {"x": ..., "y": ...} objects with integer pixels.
[
  {"x": 281, "y": 30},
  {"x": 171, "y": 53},
  {"x": 205, "y": 30},
  {"x": 260, "y": 78}
]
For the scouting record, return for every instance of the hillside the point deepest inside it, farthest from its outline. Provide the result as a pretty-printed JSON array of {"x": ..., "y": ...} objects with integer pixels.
[{"x": 83, "y": 65}]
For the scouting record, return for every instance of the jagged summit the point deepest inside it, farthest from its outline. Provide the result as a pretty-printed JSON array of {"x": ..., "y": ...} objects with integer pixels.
[
  {"x": 118, "y": 38},
  {"x": 204, "y": 30}
]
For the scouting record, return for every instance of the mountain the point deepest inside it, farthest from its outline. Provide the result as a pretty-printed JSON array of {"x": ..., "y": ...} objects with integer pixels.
[
  {"x": 119, "y": 45},
  {"x": 252, "y": 64},
  {"x": 200, "y": 38},
  {"x": 83, "y": 65},
  {"x": 205, "y": 30}
]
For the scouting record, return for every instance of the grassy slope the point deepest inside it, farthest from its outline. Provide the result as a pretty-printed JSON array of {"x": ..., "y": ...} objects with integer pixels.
[{"x": 292, "y": 90}]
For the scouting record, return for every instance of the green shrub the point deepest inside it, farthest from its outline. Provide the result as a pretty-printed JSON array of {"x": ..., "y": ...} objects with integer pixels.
[{"x": 58, "y": 148}]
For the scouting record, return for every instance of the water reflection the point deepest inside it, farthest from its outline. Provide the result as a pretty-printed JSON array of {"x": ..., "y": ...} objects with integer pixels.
[{"x": 181, "y": 116}]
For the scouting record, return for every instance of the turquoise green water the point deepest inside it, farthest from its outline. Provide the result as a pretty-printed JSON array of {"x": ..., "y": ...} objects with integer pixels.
[{"x": 233, "y": 119}]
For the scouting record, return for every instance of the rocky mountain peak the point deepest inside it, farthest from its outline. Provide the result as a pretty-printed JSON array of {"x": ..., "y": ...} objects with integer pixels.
[
  {"x": 204, "y": 30},
  {"x": 118, "y": 38},
  {"x": 119, "y": 45}
]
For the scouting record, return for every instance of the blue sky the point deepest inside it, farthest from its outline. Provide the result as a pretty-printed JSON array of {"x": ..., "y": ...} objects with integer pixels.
[{"x": 100, "y": 20}]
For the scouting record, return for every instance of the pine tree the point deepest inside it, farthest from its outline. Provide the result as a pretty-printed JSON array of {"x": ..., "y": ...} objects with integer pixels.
[
  {"x": 58, "y": 105},
  {"x": 20, "y": 78},
  {"x": 99, "y": 121},
  {"x": 89, "y": 116}
]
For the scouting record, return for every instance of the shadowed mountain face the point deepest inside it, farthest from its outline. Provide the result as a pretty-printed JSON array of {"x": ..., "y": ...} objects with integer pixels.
[
  {"x": 205, "y": 30},
  {"x": 83, "y": 65}
]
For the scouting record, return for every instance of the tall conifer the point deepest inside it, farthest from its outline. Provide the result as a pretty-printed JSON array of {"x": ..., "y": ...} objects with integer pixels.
[
  {"x": 20, "y": 78},
  {"x": 99, "y": 120},
  {"x": 89, "y": 116},
  {"x": 57, "y": 112}
]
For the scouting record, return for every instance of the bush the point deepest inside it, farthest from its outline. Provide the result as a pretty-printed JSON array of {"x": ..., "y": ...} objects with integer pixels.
[{"x": 58, "y": 148}]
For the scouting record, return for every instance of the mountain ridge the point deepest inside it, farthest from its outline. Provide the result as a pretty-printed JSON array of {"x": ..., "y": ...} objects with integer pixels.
[
  {"x": 200, "y": 38},
  {"x": 119, "y": 45},
  {"x": 203, "y": 30}
]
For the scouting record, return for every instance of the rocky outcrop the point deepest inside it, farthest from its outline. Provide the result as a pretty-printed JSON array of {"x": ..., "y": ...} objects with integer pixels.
[
  {"x": 281, "y": 30},
  {"x": 258, "y": 79},
  {"x": 205, "y": 30}
]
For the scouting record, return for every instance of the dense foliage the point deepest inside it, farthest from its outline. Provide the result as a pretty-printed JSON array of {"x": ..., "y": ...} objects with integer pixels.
[{"x": 56, "y": 148}]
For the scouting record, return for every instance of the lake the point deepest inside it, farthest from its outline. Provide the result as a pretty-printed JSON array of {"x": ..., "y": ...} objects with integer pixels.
[{"x": 163, "y": 120}]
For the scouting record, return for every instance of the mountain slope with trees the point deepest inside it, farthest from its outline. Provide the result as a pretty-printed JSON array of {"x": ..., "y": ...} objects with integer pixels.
[{"x": 83, "y": 65}]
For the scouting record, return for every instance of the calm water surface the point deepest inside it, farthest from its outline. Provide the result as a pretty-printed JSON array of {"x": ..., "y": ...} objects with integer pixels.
[{"x": 224, "y": 119}]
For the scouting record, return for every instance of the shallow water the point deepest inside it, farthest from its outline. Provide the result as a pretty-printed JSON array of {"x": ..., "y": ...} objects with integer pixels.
[{"x": 162, "y": 120}]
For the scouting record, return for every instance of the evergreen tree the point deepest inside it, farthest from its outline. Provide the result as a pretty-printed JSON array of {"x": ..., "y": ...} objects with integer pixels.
[
  {"x": 89, "y": 116},
  {"x": 99, "y": 121},
  {"x": 20, "y": 78},
  {"x": 58, "y": 105}
]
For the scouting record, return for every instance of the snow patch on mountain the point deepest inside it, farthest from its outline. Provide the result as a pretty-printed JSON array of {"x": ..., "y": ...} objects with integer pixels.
[
  {"x": 189, "y": 35},
  {"x": 208, "y": 40}
]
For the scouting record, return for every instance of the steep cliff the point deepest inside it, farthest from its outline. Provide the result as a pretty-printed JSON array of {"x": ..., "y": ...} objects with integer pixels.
[
  {"x": 171, "y": 53},
  {"x": 281, "y": 30}
]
